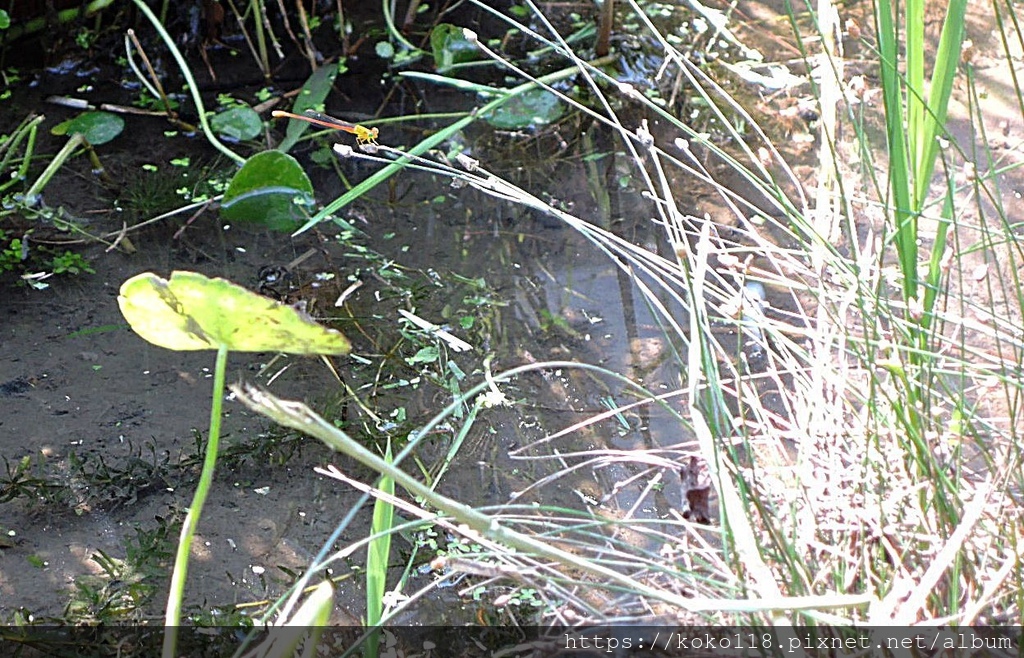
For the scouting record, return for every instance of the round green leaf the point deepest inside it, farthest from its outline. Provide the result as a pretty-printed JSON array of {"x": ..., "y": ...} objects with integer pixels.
[
  {"x": 384, "y": 50},
  {"x": 238, "y": 123},
  {"x": 271, "y": 190},
  {"x": 194, "y": 312},
  {"x": 97, "y": 127},
  {"x": 536, "y": 107}
]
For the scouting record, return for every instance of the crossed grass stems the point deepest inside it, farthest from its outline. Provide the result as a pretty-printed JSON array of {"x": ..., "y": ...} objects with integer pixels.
[{"x": 882, "y": 484}]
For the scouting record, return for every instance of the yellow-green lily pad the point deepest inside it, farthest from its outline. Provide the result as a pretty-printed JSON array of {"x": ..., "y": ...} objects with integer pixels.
[{"x": 194, "y": 312}]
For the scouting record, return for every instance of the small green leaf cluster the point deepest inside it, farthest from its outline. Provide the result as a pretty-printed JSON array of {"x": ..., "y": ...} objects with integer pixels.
[{"x": 18, "y": 257}]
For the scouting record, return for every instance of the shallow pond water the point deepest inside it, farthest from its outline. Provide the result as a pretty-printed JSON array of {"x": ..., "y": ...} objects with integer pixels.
[
  {"x": 104, "y": 430},
  {"x": 106, "y": 420}
]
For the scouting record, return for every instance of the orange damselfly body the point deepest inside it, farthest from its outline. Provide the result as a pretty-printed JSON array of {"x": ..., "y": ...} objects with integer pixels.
[{"x": 363, "y": 134}]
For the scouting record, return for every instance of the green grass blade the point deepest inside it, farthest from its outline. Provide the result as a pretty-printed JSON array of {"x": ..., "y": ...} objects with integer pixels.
[
  {"x": 946, "y": 62},
  {"x": 899, "y": 170},
  {"x": 916, "y": 110},
  {"x": 377, "y": 557}
]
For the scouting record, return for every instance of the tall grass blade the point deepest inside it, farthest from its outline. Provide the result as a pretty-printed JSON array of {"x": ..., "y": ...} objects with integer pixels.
[{"x": 378, "y": 554}]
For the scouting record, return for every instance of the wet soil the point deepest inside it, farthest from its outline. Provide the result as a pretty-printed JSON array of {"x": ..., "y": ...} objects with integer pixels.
[{"x": 82, "y": 383}]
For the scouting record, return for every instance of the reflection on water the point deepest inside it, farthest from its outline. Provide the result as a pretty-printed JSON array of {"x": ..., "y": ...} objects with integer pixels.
[{"x": 575, "y": 437}]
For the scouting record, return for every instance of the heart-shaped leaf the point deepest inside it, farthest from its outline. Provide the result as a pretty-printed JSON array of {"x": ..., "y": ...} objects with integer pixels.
[
  {"x": 536, "y": 107},
  {"x": 97, "y": 127},
  {"x": 194, "y": 312},
  {"x": 271, "y": 190},
  {"x": 237, "y": 123}
]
